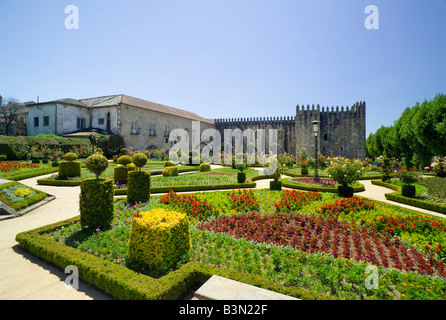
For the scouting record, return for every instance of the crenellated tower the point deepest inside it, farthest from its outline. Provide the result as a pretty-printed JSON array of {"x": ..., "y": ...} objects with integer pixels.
[{"x": 342, "y": 130}]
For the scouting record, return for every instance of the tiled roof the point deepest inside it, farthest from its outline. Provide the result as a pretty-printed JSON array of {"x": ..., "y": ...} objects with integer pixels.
[{"x": 115, "y": 100}]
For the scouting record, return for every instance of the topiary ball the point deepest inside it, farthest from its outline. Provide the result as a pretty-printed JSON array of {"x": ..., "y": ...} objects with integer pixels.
[
  {"x": 124, "y": 160},
  {"x": 70, "y": 156},
  {"x": 96, "y": 163},
  {"x": 139, "y": 160}
]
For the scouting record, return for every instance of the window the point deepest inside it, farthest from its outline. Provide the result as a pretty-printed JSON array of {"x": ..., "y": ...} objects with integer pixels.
[
  {"x": 152, "y": 130},
  {"x": 101, "y": 121},
  {"x": 134, "y": 127},
  {"x": 80, "y": 123},
  {"x": 36, "y": 121},
  {"x": 46, "y": 121}
]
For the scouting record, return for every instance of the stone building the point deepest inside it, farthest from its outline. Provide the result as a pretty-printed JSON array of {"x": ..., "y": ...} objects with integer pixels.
[
  {"x": 141, "y": 123},
  {"x": 342, "y": 131},
  {"x": 144, "y": 124}
]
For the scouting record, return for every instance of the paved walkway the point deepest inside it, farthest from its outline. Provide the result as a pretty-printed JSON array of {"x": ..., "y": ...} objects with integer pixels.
[{"x": 25, "y": 277}]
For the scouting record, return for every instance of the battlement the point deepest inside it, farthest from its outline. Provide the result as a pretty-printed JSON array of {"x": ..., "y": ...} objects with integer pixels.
[
  {"x": 255, "y": 120},
  {"x": 357, "y": 108}
]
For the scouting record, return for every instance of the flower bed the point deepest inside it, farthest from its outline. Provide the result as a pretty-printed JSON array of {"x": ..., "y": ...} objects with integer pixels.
[
  {"x": 324, "y": 182},
  {"x": 312, "y": 233},
  {"x": 286, "y": 251},
  {"x": 18, "y": 196}
]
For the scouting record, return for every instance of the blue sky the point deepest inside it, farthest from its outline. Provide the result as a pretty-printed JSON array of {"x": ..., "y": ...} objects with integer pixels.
[{"x": 228, "y": 58}]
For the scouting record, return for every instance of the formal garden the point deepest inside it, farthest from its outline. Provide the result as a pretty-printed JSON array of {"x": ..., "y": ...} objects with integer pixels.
[
  {"x": 139, "y": 237},
  {"x": 150, "y": 228}
]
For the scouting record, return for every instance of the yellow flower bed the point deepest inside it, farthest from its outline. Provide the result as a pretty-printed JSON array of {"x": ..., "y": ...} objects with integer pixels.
[{"x": 22, "y": 192}]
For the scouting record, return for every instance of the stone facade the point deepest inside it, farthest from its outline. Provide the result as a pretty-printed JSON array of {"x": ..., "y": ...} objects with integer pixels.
[
  {"x": 141, "y": 123},
  {"x": 342, "y": 131}
]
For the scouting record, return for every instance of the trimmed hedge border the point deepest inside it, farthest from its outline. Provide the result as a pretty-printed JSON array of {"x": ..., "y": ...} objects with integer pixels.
[
  {"x": 125, "y": 284},
  {"x": 319, "y": 189},
  {"x": 72, "y": 183},
  {"x": 32, "y": 174},
  {"x": 398, "y": 197}
]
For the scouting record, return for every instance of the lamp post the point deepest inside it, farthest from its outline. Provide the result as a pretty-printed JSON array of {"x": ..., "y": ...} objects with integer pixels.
[
  {"x": 93, "y": 139},
  {"x": 316, "y": 131}
]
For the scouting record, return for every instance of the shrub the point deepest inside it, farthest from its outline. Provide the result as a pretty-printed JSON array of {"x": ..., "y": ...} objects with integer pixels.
[
  {"x": 169, "y": 164},
  {"x": 70, "y": 156},
  {"x": 275, "y": 185},
  {"x": 345, "y": 171},
  {"x": 205, "y": 167},
  {"x": 96, "y": 203},
  {"x": 170, "y": 172},
  {"x": 439, "y": 167},
  {"x": 138, "y": 186},
  {"x": 124, "y": 160},
  {"x": 241, "y": 177},
  {"x": 131, "y": 167},
  {"x": 96, "y": 164},
  {"x": 139, "y": 159},
  {"x": 120, "y": 174},
  {"x": 68, "y": 169},
  {"x": 159, "y": 238},
  {"x": 3, "y": 157}
]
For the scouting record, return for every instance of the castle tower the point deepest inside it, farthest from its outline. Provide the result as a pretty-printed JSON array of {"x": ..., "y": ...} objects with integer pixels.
[{"x": 342, "y": 131}]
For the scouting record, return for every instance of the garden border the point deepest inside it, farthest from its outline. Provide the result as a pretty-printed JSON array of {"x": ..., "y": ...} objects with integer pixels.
[
  {"x": 398, "y": 197},
  {"x": 123, "y": 283}
]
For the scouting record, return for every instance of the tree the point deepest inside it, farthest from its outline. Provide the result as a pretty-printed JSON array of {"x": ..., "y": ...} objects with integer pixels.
[{"x": 9, "y": 109}]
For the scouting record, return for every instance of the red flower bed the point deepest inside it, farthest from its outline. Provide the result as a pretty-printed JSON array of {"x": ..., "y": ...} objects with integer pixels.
[
  {"x": 8, "y": 166},
  {"x": 321, "y": 182},
  {"x": 189, "y": 203},
  {"x": 311, "y": 233},
  {"x": 346, "y": 205},
  {"x": 244, "y": 200},
  {"x": 294, "y": 200}
]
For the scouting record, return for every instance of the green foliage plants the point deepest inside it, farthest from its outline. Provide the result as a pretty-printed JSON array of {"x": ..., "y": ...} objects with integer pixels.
[
  {"x": 96, "y": 203},
  {"x": 3, "y": 157},
  {"x": 139, "y": 159},
  {"x": 170, "y": 172},
  {"x": 138, "y": 187},
  {"x": 96, "y": 164},
  {"x": 159, "y": 238}
]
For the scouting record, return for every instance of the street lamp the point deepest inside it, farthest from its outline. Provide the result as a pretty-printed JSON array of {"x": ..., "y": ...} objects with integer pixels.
[
  {"x": 316, "y": 131},
  {"x": 93, "y": 138}
]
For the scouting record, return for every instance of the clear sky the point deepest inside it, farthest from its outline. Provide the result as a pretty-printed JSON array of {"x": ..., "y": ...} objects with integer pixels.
[{"x": 228, "y": 58}]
